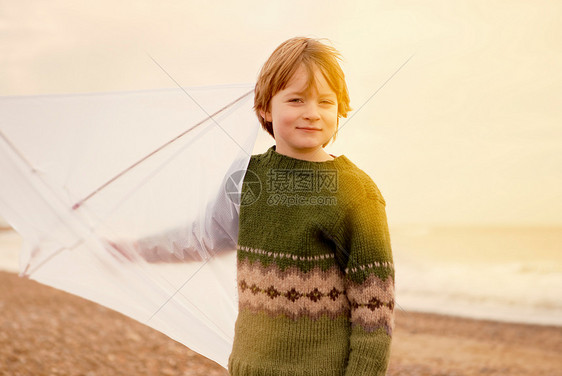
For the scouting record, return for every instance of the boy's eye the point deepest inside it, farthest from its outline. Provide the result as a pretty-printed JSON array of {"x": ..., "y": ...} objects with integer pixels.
[
  {"x": 327, "y": 102},
  {"x": 295, "y": 100}
]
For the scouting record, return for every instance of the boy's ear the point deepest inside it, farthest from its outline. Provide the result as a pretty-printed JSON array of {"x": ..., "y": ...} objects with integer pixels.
[{"x": 266, "y": 115}]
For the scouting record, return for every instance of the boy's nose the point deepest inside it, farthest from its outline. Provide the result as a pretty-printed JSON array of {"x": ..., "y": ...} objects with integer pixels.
[{"x": 311, "y": 112}]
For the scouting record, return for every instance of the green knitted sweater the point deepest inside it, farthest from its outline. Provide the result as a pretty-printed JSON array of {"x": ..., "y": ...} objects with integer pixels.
[{"x": 315, "y": 271}]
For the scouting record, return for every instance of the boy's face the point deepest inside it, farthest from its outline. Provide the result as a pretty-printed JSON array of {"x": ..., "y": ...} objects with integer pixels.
[{"x": 303, "y": 120}]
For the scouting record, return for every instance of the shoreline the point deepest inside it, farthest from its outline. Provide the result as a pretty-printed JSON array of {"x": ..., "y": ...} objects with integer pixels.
[
  {"x": 48, "y": 331},
  {"x": 11, "y": 243}
]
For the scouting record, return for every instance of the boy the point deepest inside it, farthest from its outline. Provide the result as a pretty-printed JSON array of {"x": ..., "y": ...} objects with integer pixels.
[{"x": 315, "y": 271}]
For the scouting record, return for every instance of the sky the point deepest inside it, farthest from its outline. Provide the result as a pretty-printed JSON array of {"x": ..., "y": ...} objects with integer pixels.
[{"x": 457, "y": 103}]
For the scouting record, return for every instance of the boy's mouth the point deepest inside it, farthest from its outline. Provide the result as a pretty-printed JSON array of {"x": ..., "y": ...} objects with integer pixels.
[{"x": 309, "y": 128}]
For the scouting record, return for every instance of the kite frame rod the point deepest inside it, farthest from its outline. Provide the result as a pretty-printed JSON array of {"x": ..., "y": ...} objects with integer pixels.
[{"x": 79, "y": 203}]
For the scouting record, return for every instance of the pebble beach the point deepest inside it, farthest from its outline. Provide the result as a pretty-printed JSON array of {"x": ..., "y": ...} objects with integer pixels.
[{"x": 44, "y": 331}]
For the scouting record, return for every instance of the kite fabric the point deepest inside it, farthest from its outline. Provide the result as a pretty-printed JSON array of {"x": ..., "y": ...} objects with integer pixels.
[{"x": 131, "y": 200}]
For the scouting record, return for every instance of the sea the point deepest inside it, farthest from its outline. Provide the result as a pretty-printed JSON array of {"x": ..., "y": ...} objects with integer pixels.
[{"x": 502, "y": 273}]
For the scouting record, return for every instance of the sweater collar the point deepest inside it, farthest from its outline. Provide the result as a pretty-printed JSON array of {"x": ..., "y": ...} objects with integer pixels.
[{"x": 284, "y": 161}]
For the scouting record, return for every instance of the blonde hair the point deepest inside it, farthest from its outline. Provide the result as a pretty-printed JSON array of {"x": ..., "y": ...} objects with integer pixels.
[{"x": 282, "y": 64}]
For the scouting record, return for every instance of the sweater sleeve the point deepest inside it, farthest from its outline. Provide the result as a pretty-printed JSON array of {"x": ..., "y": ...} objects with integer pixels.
[
  {"x": 369, "y": 279},
  {"x": 213, "y": 233}
]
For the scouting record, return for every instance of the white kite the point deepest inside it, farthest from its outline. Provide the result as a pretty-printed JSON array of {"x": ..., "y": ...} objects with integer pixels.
[{"x": 131, "y": 200}]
